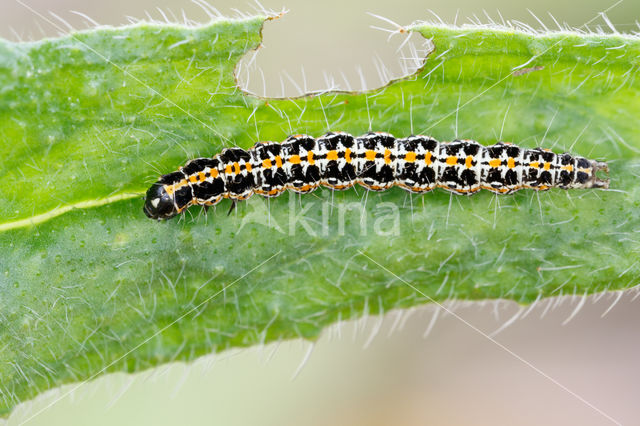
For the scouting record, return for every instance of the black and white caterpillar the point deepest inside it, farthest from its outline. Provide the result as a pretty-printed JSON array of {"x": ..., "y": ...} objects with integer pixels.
[{"x": 376, "y": 161}]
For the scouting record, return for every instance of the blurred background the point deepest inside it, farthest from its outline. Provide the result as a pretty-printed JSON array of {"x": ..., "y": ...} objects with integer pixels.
[{"x": 564, "y": 361}]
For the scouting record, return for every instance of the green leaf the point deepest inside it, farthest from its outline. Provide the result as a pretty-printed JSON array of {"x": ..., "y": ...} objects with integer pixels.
[{"x": 88, "y": 284}]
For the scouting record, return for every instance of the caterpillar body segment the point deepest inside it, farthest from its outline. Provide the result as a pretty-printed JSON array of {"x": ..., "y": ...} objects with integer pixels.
[{"x": 376, "y": 161}]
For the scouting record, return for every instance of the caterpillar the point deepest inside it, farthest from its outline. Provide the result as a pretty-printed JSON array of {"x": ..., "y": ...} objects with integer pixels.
[{"x": 376, "y": 160}]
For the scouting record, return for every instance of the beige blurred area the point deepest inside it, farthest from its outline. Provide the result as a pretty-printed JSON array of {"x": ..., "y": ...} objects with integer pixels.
[{"x": 562, "y": 361}]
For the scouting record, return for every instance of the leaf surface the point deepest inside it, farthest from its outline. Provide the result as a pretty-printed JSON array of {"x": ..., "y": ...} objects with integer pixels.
[{"x": 88, "y": 284}]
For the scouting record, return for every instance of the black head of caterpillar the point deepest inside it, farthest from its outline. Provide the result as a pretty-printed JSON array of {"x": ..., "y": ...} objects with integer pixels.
[
  {"x": 376, "y": 160},
  {"x": 159, "y": 204},
  {"x": 162, "y": 202}
]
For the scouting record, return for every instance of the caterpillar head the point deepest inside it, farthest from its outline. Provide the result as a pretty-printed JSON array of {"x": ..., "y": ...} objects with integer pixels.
[
  {"x": 159, "y": 204},
  {"x": 167, "y": 197}
]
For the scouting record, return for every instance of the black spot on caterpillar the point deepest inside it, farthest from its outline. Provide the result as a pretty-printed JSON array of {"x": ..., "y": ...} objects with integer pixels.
[{"x": 376, "y": 161}]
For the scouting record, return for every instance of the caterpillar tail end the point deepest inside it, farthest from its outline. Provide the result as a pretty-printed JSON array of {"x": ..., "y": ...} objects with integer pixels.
[{"x": 595, "y": 181}]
